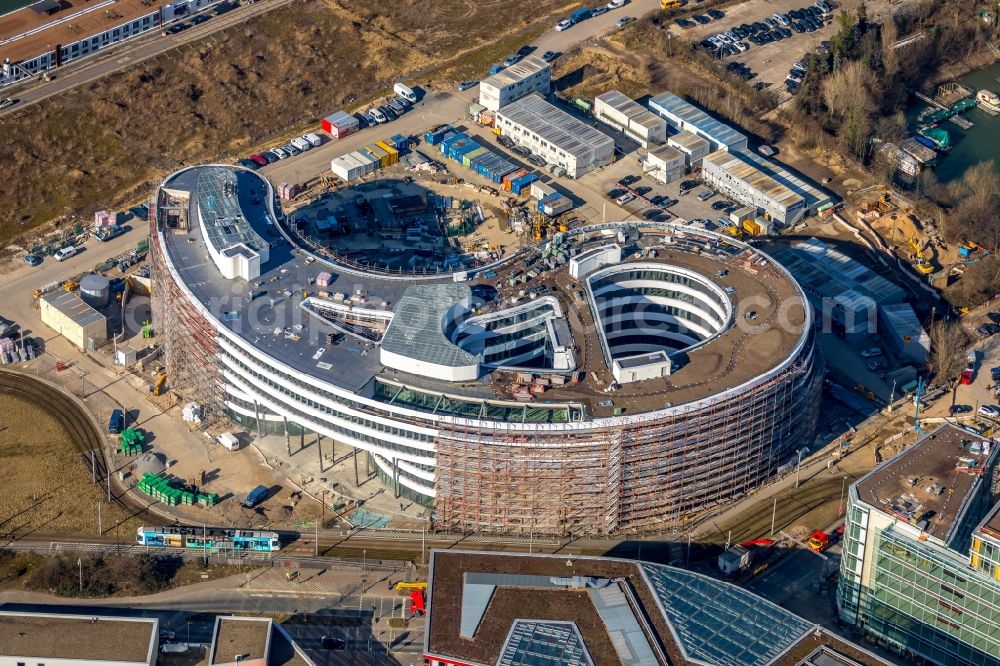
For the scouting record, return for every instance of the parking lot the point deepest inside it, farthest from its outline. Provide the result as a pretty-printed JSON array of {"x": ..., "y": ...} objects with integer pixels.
[{"x": 772, "y": 61}]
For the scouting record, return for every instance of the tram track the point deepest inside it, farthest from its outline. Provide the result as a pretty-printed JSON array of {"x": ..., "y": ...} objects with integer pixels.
[{"x": 78, "y": 424}]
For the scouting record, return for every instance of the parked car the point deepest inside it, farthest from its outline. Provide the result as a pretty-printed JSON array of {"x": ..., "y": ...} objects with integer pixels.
[
  {"x": 259, "y": 159},
  {"x": 624, "y": 199},
  {"x": 527, "y": 49},
  {"x": 465, "y": 85},
  {"x": 505, "y": 141},
  {"x": 990, "y": 411},
  {"x": 247, "y": 163},
  {"x": 387, "y": 112},
  {"x": 598, "y": 10},
  {"x": 876, "y": 365},
  {"x": 65, "y": 253},
  {"x": 520, "y": 150},
  {"x": 268, "y": 156},
  {"x": 7, "y": 102},
  {"x": 330, "y": 643},
  {"x": 537, "y": 160},
  {"x": 871, "y": 352},
  {"x": 32, "y": 259},
  {"x": 549, "y": 56},
  {"x": 512, "y": 60},
  {"x": 628, "y": 180},
  {"x": 565, "y": 24},
  {"x": 716, "y": 14},
  {"x": 377, "y": 116},
  {"x": 706, "y": 195},
  {"x": 987, "y": 330},
  {"x": 255, "y": 497},
  {"x": 280, "y": 153},
  {"x": 623, "y": 21},
  {"x": 615, "y": 4},
  {"x": 959, "y": 409}
]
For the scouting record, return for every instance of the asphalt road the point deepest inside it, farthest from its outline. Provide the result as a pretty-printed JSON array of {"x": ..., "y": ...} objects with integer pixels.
[{"x": 128, "y": 54}]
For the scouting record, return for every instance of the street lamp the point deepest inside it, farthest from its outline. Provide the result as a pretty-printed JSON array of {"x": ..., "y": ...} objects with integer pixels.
[{"x": 843, "y": 486}]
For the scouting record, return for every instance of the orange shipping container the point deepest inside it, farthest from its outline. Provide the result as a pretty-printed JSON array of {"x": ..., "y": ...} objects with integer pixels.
[{"x": 511, "y": 177}]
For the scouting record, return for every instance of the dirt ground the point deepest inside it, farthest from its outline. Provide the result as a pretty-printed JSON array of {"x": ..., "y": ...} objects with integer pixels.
[
  {"x": 47, "y": 488},
  {"x": 108, "y": 143}
]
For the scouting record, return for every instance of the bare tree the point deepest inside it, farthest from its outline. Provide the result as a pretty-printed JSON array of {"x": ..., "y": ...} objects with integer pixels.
[{"x": 948, "y": 343}]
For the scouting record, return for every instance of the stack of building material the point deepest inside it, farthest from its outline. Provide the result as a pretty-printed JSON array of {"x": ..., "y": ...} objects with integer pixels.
[
  {"x": 324, "y": 279},
  {"x": 340, "y": 124},
  {"x": 286, "y": 191}
]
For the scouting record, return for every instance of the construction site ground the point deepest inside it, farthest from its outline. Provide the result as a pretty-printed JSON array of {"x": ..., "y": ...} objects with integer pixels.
[{"x": 231, "y": 91}]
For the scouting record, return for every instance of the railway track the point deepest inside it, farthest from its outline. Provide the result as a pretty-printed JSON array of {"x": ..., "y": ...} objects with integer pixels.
[{"x": 77, "y": 423}]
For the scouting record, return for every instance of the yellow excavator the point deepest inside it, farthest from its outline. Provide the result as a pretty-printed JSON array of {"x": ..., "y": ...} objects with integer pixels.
[{"x": 917, "y": 255}]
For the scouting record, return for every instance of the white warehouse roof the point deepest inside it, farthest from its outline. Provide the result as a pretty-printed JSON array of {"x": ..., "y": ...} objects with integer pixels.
[
  {"x": 556, "y": 127},
  {"x": 628, "y": 107},
  {"x": 753, "y": 177},
  {"x": 670, "y": 105},
  {"x": 519, "y": 71}
]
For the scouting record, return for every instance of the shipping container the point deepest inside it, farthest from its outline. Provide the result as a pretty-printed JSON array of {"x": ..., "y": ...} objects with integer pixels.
[
  {"x": 540, "y": 190},
  {"x": 381, "y": 155},
  {"x": 519, "y": 185},
  {"x": 372, "y": 156},
  {"x": 554, "y": 204},
  {"x": 393, "y": 153},
  {"x": 400, "y": 142},
  {"x": 363, "y": 157},
  {"x": 470, "y": 156},
  {"x": 513, "y": 175},
  {"x": 346, "y": 168},
  {"x": 449, "y": 138},
  {"x": 436, "y": 135},
  {"x": 340, "y": 124}
]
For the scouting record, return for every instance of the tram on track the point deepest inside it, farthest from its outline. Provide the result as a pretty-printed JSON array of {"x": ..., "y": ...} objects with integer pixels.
[{"x": 210, "y": 538}]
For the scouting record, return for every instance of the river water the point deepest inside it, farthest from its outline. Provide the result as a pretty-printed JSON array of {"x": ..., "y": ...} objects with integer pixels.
[
  {"x": 976, "y": 144},
  {"x": 11, "y": 5}
]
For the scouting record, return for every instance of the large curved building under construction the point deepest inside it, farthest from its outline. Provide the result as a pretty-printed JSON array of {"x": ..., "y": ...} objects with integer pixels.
[{"x": 616, "y": 379}]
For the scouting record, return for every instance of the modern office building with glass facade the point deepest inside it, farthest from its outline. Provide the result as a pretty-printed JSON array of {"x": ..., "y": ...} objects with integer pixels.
[
  {"x": 918, "y": 569},
  {"x": 492, "y": 393}
]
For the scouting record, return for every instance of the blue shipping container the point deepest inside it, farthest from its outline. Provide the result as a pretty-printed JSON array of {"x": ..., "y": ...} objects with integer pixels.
[
  {"x": 399, "y": 142},
  {"x": 448, "y": 140},
  {"x": 436, "y": 135},
  {"x": 522, "y": 182}
]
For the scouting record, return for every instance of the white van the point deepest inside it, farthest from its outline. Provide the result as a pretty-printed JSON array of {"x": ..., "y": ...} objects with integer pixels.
[
  {"x": 64, "y": 253},
  {"x": 378, "y": 116},
  {"x": 301, "y": 143},
  {"x": 405, "y": 92},
  {"x": 229, "y": 441},
  {"x": 313, "y": 139}
]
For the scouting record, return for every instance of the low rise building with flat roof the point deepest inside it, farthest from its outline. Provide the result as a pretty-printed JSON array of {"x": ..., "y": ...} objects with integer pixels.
[
  {"x": 72, "y": 640},
  {"x": 253, "y": 641},
  {"x": 907, "y": 576},
  {"x": 68, "y": 315},
  {"x": 49, "y": 33},
  {"x": 530, "y": 75},
  {"x": 489, "y": 609},
  {"x": 556, "y": 136},
  {"x": 631, "y": 118},
  {"x": 693, "y": 146},
  {"x": 744, "y": 182},
  {"x": 665, "y": 164},
  {"x": 901, "y": 326},
  {"x": 683, "y": 115}
]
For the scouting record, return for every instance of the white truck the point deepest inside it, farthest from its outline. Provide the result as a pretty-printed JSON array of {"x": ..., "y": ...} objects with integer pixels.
[
  {"x": 301, "y": 143},
  {"x": 405, "y": 92},
  {"x": 313, "y": 138}
]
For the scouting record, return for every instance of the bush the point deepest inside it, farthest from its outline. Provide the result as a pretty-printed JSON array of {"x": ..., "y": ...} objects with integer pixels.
[{"x": 98, "y": 576}]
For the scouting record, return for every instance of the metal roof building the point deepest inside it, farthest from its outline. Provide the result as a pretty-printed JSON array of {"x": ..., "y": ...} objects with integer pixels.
[
  {"x": 902, "y": 327},
  {"x": 683, "y": 115},
  {"x": 555, "y": 135},
  {"x": 630, "y": 117},
  {"x": 95, "y": 640},
  {"x": 67, "y": 314},
  {"x": 743, "y": 181},
  {"x": 815, "y": 197},
  {"x": 532, "y": 74}
]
